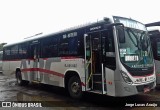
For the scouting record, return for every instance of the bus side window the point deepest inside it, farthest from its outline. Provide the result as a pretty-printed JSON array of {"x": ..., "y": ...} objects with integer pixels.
[
  {"x": 7, "y": 53},
  {"x": 23, "y": 51},
  {"x": 68, "y": 46},
  {"x": 110, "y": 43},
  {"x": 109, "y": 51},
  {"x": 14, "y": 52},
  {"x": 49, "y": 47}
]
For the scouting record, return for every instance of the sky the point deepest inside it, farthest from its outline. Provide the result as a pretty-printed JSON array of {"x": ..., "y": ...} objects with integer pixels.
[{"x": 23, "y": 18}]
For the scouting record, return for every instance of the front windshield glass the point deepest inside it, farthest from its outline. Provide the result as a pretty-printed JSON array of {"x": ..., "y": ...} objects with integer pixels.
[{"x": 135, "y": 52}]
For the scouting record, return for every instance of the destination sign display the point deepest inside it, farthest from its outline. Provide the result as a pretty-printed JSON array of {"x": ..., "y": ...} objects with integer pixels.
[{"x": 129, "y": 23}]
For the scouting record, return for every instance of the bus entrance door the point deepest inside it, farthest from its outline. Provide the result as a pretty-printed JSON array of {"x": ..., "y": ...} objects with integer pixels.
[
  {"x": 35, "y": 63},
  {"x": 93, "y": 62}
]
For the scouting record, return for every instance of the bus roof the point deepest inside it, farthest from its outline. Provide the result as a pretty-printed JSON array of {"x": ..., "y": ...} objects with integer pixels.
[
  {"x": 106, "y": 20},
  {"x": 43, "y": 35},
  {"x": 154, "y": 32},
  {"x": 153, "y": 24}
]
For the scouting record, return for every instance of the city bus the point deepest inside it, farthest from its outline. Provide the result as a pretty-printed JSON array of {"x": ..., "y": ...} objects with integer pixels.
[
  {"x": 105, "y": 57},
  {"x": 155, "y": 42},
  {"x": 154, "y": 33},
  {"x": 1, "y": 56}
]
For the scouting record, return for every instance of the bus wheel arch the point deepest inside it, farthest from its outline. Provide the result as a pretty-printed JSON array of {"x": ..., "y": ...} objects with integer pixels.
[{"x": 73, "y": 84}]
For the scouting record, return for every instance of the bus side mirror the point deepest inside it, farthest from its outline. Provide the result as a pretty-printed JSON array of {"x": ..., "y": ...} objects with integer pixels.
[{"x": 121, "y": 35}]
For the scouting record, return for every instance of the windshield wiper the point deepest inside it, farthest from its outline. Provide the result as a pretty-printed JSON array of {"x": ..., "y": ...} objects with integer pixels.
[
  {"x": 138, "y": 42},
  {"x": 131, "y": 37},
  {"x": 144, "y": 42}
]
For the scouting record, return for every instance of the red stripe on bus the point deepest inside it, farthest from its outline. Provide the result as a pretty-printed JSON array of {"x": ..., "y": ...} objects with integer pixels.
[
  {"x": 82, "y": 84},
  {"x": 46, "y": 71},
  {"x": 70, "y": 57},
  {"x": 43, "y": 70}
]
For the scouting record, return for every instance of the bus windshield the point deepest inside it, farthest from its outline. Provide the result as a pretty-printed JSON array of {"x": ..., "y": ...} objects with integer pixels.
[{"x": 135, "y": 51}]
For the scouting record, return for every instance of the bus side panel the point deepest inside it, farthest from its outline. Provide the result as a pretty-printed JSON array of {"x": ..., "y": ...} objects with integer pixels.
[
  {"x": 14, "y": 65},
  {"x": 58, "y": 74},
  {"x": 110, "y": 83},
  {"x": 51, "y": 70},
  {"x": 23, "y": 65},
  {"x": 6, "y": 68},
  {"x": 49, "y": 73},
  {"x": 157, "y": 69},
  {"x": 58, "y": 69},
  {"x": 76, "y": 65},
  {"x": 9, "y": 67},
  {"x": 44, "y": 78}
]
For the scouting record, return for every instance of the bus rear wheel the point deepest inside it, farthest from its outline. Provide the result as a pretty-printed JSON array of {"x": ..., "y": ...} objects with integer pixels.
[
  {"x": 19, "y": 79},
  {"x": 74, "y": 87}
]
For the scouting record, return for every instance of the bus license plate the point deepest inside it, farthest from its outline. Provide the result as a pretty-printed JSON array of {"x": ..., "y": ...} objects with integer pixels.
[{"x": 146, "y": 90}]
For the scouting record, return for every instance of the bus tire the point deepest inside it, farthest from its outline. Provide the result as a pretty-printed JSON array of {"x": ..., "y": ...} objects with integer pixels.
[
  {"x": 20, "y": 82},
  {"x": 74, "y": 87}
]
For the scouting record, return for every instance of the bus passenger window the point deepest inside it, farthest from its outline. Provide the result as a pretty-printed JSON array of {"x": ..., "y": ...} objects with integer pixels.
[
  {"x": 49, "y": 48},
  {"x": 68, "y": 46},
  {"x": 110, "y": 44},
  {"x": 23, "y": 51},
  {"x": 7, "y": 53}
]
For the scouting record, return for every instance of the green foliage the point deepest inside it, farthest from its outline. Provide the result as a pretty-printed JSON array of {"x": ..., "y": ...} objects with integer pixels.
[{"x": 1, "y": 46}]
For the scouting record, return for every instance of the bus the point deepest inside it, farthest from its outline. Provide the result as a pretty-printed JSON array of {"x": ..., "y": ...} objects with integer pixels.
[
  {"x": 1, "y": 56},
  {"x": 105, "y": 57},
  {"x": 154, "y": 34}
]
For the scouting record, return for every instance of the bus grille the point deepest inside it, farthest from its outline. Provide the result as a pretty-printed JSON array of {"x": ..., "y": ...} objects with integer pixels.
[{"x": 141, "y": 87}]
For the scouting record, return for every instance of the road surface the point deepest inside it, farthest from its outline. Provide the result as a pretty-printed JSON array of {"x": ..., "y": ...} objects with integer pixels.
[{"x": 57, "y": 98}]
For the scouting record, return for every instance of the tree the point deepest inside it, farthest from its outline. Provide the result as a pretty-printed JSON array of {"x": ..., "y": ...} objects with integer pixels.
[{"x": 1, "y": 46}]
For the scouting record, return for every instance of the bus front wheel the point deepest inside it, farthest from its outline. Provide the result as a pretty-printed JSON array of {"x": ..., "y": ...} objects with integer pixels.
[{"x": 74, "y": 87}]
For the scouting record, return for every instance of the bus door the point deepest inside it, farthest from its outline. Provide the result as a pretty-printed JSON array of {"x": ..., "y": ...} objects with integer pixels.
[
  {"x": 156, "y": 53},
  {"x": 35, "y": 54},
  {"x": 93, "y": 62}
]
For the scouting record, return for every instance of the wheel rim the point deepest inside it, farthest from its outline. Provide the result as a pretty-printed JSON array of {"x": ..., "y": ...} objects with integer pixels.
[{"x": 75, "y": 87}]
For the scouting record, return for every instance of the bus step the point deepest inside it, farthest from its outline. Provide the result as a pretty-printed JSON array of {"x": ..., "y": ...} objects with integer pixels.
[
  {"x": 97, "y": 74},
  {"x": 97, "y": 82},
  {"x": 35, "y": 81},
  {"x": 96, "y": 91},
  {"x": 97, "y": 77},
  {"x": 97, "y": 85}
]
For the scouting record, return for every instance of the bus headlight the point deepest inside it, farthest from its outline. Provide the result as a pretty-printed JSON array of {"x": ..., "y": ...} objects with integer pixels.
[{"x": 126, "y": 77}]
